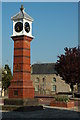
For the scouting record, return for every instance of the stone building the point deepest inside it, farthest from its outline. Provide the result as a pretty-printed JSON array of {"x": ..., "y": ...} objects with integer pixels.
[
  {"x": 46, "y": 81},
  {"x": 0, "y": 82},
  {"x": 1, "y": 91}
]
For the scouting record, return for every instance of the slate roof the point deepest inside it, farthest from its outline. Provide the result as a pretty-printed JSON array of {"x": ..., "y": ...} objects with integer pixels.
[
  {"x": 45, "y": 68},
  {"x": 22, "y": 14}
]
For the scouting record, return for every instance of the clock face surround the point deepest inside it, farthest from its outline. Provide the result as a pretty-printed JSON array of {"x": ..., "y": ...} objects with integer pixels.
[
  {"x": 27, "y": 27},
  {"x": 18, "y": 26}
]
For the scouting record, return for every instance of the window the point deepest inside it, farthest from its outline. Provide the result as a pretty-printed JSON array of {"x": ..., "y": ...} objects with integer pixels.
[
  {"x": 53, "y": 79},
  {"x": 43, "y": 80},
  {"x": 54, "y": 88},
  {"x": 37, "y": 80},
  {"x": 16, "y": 92},
  {"x": 36, "y": 88}
]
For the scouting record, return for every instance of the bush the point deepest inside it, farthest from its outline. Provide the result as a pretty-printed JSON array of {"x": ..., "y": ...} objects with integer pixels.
[{"x": 62, "y": 98}]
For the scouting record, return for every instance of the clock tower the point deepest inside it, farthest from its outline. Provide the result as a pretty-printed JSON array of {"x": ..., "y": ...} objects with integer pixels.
[
  {"x": 21, "y": 86},
  {"x": 22, "y": 24}
]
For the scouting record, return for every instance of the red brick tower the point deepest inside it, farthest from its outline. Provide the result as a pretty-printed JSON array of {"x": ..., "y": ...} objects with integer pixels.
[{"x": 21, "y": 85}]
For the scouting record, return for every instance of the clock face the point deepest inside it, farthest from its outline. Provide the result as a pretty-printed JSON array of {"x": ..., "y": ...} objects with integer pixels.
[
  {"x": 27, "y": 27},
  {"x": 18, "y": 27}
]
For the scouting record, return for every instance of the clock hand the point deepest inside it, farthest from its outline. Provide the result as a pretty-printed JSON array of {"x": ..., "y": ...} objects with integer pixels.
[{"x": 17, "y": 27}]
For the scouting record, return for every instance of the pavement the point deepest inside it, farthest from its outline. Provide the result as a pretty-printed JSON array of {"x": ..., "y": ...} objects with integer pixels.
[
  {"x": 47, "y": 112},
  {"x": 75, "y": 108}
]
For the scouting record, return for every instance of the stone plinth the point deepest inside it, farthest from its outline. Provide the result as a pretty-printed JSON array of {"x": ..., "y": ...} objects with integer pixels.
[{"x": 21, "y": 102}]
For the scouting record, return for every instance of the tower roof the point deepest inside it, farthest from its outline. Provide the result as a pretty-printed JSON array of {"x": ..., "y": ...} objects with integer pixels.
[{"x": 22, "y": 14}]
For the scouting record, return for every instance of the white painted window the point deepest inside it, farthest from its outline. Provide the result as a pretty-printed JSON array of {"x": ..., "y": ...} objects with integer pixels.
[
  {"x": 54, "y": 88},
  {"x": 36, "y": 88},
  {"x": 37, "y": 80},
  {"x": 53, "y": 79}
]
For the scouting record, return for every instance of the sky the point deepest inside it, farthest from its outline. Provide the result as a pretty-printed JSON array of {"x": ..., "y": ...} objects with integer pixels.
[
  {"x": 40, "y": 0},
  {"x": 55, "y": 27}
]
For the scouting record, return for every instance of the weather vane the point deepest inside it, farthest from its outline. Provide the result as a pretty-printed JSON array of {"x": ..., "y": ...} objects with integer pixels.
[{"x": 22, "y": 8}]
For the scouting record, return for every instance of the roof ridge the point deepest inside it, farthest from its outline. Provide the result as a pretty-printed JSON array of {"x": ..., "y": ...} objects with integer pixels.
[
  {"x": 14, "y": 15},
  {"x": 42, "y": 63},
  {"x": 21, "y": 15},
  {"x": 28, "y": 15}
]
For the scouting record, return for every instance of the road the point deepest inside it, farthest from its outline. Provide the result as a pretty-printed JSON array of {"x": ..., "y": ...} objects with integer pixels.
[{"x": 45, "y": 113}]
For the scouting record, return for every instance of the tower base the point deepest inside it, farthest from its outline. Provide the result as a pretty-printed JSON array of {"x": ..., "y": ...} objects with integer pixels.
[
  {"x": 21, "y": 92},
  {"x": 12, "y": 104},
  {"x": 23, "y": 102}
]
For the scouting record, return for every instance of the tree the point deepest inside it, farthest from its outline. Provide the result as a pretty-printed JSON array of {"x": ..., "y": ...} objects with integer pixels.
[
  {"x": 68, "y": 66},
  {"x": 6, "y": 77}
]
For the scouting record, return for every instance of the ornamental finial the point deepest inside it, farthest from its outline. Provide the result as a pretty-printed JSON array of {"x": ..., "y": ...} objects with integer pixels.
[{"x": 22, "y": 8}]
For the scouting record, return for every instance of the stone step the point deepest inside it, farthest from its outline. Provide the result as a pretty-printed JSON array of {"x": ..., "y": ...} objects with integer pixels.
[
  {"x": 27, "y": 102},
  {"x": 21, "y": 108}
]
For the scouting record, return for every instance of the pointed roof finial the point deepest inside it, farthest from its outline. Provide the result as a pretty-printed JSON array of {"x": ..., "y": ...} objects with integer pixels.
[
  {"x": 22, "y": 8},
  {"x": 22, "y": 15}
]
